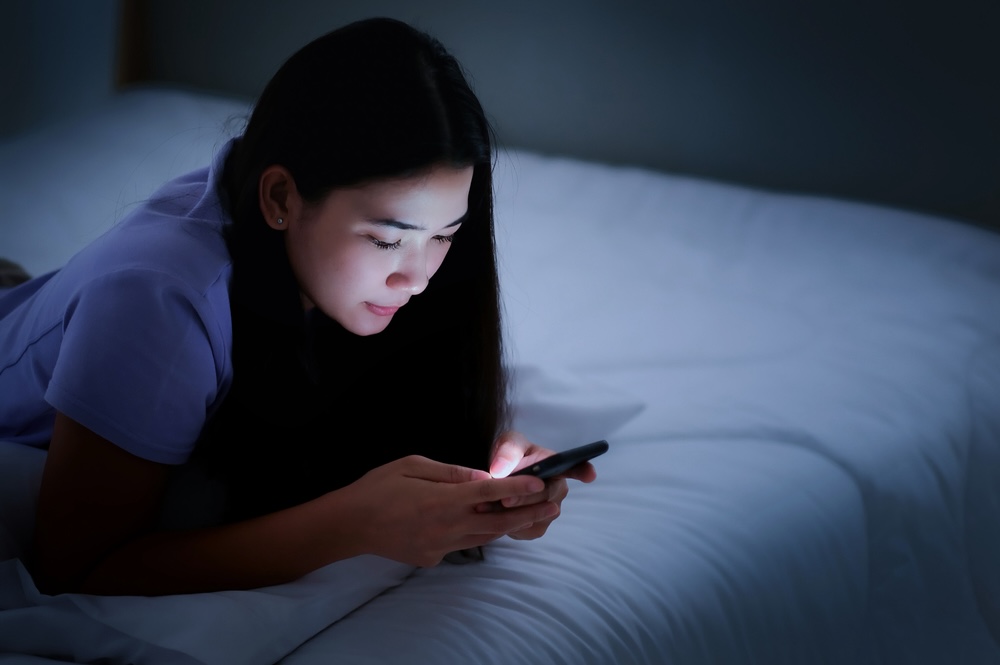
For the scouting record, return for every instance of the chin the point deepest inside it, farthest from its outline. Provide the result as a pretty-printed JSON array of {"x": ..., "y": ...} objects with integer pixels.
[
  {"x": 361, "y": 324},
  {"x": 366, "y": 328}
]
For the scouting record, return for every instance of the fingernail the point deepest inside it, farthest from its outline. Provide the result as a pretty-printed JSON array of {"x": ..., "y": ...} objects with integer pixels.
[
  {"x": 510, "y": 501},
  {"x": 502, "y": 467}
]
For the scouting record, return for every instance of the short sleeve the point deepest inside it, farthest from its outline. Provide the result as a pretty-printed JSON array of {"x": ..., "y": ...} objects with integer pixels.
[{"x": 137, "y": 364}]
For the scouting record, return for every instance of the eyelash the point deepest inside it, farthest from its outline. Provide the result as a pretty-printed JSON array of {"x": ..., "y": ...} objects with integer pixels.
[
  {"x": 385, "y": 245},
  {"x": 381, "y": 244}
]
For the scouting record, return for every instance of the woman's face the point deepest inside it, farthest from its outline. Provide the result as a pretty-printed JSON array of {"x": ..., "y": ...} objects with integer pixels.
[{"x": 364, "y": 251}]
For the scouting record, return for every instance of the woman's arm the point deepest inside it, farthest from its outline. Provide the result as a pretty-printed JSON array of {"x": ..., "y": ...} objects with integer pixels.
[{"x": 98, "y": 505}]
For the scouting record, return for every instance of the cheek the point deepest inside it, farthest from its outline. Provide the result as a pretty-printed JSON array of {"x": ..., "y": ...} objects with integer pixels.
[
  {"x": 327, "y": 266},
  {"x": 361, "y": 266},
  {"x": 436, "y": 257}
]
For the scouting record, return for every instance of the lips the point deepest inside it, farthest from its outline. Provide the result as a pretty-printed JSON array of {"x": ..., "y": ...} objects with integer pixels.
[{"x": 383, "y": 310}]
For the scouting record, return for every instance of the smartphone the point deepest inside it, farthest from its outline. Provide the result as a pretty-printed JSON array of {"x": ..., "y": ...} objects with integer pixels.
[{"x": 564, "y": 461}]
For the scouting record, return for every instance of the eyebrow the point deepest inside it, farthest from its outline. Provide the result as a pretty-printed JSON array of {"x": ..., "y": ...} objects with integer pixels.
[{"x": 404, "y": 226}]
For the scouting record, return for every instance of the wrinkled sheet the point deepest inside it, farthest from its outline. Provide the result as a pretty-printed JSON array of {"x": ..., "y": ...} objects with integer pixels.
[{"x": 814, "y": 474}]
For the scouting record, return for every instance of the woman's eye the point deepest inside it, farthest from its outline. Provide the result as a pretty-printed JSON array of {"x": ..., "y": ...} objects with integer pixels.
[
  {"x": 445, "y": 238},
  {"x": 381, "y": 244}
]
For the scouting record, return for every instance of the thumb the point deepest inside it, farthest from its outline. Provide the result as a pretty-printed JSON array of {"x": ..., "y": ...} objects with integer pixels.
[{"x": 505, "y": 460}]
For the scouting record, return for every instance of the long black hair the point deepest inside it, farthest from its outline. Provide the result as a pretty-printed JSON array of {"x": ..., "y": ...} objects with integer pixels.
[{"x": 313, "y": 407}]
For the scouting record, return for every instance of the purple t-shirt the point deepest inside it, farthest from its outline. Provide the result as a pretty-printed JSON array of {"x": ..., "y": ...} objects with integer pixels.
[{"x": 132, "y": 338}]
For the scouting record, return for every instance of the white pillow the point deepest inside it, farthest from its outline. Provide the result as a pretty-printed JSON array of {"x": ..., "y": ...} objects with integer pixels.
[{"x": 558, "y": 409}]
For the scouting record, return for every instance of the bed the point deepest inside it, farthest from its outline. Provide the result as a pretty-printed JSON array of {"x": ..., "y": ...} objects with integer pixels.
[{"x": 801, "y": 393}]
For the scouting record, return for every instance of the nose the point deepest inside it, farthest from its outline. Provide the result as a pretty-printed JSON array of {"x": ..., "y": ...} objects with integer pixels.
[{"x": 410, "y": 276}]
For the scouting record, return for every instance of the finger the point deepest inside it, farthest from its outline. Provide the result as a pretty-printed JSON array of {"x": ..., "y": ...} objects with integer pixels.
[
  {"x": 556, "y": 489},
  {"x": 530, "y": 532},
  {"x": 428, "y": 469},
  {"x": 585, "y": 473},
  {"x": 503, "y": 465},
  {"x": 507, "y": 521},
  {"x": 509, "y": 451},
  {"x": 495, "y": 489},
  {"x": 488, "y": 507},
  {"x": 533, "y": 530}
]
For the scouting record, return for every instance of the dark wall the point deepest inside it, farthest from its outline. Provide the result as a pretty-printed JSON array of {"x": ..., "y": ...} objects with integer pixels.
[
  {"x": 887, "y": 102},
  {"x": 57, "y": 58}
]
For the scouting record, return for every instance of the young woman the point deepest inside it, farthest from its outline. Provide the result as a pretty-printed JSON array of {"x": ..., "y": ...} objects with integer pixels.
[{"x": 311, "y": 324}]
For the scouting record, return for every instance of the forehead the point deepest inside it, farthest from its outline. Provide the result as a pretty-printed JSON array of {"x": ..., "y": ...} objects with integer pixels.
[{"x": 439, "y": 194}]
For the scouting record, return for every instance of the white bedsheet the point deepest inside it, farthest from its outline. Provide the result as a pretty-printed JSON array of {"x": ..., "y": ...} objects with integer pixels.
[
  {"x": 805, "y": 466},
  {"x": 867, "y": 335}
]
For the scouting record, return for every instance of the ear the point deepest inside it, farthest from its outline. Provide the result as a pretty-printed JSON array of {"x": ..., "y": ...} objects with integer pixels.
[{"x": 279, "y": 199}]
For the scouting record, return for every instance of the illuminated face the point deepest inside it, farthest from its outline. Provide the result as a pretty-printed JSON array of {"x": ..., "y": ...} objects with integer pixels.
[{"x": 364, "y": 251}]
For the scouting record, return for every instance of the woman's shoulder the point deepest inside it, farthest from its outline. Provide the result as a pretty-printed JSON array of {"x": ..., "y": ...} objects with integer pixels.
[
  {"x": 175, "y": 236},
  {"x": 145, "y": 259},
  {"x": 177, "y": 232}
]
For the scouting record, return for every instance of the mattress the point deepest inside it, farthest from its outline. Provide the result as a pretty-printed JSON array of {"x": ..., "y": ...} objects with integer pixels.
[{"x": 802, "y": 396}]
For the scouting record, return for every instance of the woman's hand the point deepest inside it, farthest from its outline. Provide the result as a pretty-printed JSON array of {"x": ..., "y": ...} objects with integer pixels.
[
  {"x": 512, "y": 451},
  {"x": 415, "y": 510}
]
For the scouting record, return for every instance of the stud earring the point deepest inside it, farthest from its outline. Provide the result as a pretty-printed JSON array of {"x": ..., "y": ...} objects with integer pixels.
[{"x": 281, "y": 221}]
